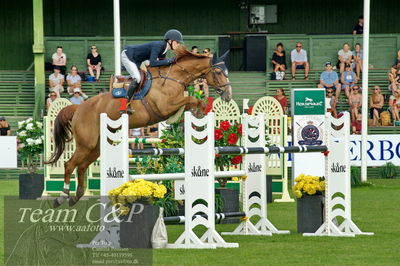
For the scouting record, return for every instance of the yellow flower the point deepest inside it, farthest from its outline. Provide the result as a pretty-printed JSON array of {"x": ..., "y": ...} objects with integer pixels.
[
  {"x": 235, "y": 178},
  {"x": 298, "y": 194},
  {"x": 322, "y": 185},
  {"x": 311, "y": 191}
]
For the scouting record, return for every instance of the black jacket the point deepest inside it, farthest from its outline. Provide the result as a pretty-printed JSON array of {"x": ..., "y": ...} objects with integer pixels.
[{"x": 152, "y": 51}]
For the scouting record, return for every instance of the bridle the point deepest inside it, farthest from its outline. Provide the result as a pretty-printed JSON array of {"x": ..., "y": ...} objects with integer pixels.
[
  {"x": 214, "y": 75},
  {"x": 219, "y": 65}
]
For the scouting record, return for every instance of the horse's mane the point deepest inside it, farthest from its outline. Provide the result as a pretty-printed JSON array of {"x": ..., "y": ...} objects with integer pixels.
[{"x": 182, "y": 52}]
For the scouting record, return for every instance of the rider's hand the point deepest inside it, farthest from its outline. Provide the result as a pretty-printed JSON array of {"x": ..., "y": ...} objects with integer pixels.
[{"x": 171, "y": 60}]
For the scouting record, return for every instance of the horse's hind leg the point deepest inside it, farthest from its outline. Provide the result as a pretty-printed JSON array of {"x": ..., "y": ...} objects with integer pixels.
[
  {"x": 82, "y": 166},
  {"x": 69, "y": 167}
]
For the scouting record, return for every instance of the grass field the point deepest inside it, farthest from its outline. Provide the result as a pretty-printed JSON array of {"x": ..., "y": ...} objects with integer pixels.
[{"x": 374, "y": 209}]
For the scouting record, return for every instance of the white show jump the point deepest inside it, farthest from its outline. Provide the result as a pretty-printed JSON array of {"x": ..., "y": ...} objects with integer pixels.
[{"x": 200, "y": 174}]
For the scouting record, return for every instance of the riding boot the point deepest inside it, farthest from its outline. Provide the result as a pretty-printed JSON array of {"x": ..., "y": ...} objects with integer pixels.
[{"x": 131, "y": 91}]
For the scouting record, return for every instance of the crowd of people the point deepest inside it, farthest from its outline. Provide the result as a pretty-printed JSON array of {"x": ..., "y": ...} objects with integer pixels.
[
  {"x": 73, "y": 79},
  {"x": 342, "y": 76}
]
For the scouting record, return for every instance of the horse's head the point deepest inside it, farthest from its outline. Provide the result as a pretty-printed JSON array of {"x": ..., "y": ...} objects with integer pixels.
[{"x": 217, "y": 77}]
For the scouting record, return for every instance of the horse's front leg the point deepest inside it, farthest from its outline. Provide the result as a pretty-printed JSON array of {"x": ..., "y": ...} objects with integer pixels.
[{"x": 197, "y": 107}]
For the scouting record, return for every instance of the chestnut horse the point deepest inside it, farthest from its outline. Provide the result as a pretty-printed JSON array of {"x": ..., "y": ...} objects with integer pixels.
[{"x": 164, "y": 99}]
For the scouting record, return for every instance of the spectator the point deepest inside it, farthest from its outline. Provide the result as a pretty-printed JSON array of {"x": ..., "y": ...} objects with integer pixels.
[
  {"x": 345, "y": 57},
  {"x": 394, "y": 104},
  {"x": 207, "y": 51},
  {"x": 359, "y": 27},
  {"x": 279, "y": 58},
  {"x": 356, "y": 125},
  {"x": 56, "y": 81},
  {"x": 195, "y": 49},
  {"x": 348, "y": 79},
  {"x": 332, "y": 102},
  {"x": 74, "y": 81},
  {"x": 329, "y": 79},
  {"x": 299, "y": 60},
  {"x": 281, "y": 98},
  {"x": 355, "y": 102},
  {"x": 394, "y": 79},
  {"x": 77, "y": 98},
  {"x": 376, "y": 105},
  {"x": 93, "y": 61},
  {"x": 51, "y": 99},
  {"x": 137, "y": 133},
  {"x": 5, "y": 129},
  {"x": 152, "y": 132},
  {"x": 60, "y": 60},
  {"x": 357, "y": 59},
  {"x": 201, "y": 84}
]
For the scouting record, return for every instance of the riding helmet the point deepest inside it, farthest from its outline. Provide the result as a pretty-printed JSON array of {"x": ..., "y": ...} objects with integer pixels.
[{"x": 173, "y": 35}]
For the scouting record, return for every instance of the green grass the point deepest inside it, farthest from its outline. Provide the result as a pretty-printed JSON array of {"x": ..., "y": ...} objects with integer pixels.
[{"x": 375, "y": 209}]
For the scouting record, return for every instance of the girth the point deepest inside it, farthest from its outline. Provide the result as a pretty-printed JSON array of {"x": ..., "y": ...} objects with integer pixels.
[{"x": 154, "y": 116}]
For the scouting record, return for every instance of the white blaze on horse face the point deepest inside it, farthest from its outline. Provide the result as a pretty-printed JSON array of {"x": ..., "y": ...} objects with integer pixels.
[{"x": 227, "y": 94}]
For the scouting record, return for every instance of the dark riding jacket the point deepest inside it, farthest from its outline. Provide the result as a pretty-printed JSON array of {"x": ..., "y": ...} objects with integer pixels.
[{"x": 152, "y": 51}]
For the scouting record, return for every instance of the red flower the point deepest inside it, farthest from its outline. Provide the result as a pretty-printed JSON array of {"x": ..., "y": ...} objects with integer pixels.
[
  {"x": 232, "y": 139},
  {"x": 250, "y": 110},
  {"x": 225, "y": 125},
  {"x": 237, "y": 159},
  {"x": 217, "y": 155},
  {"x": 218, "y": 134},
  {"x": 240, "y": 129}
]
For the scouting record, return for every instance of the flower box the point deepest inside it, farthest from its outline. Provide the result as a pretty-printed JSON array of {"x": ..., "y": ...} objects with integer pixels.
[
  {"x": 136, "y": 228},
  {"x": 310, "y": 213}
]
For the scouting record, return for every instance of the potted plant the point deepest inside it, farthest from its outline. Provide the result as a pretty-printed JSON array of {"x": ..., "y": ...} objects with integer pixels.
[
  {"x": 227, "y": 135},
  {"x": 30, "y": 139},
  {"x": 389, "y": 170},
  {"x": 309, "y": 191},
  {"x": 138, "y": 213}
]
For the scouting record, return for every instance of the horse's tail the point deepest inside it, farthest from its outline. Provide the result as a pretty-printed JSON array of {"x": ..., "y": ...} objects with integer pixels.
[{"x": 62, "y": 131}]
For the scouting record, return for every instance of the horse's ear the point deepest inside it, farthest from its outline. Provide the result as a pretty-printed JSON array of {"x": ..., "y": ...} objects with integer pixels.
[
  {"x": 223, "y": 57},
  {"x": 214, "y": 59}
]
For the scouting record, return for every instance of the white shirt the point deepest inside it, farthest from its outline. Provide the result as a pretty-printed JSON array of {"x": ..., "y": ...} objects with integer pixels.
[
  {"x": 56, "y": 80},
  {"x": 73, "y": 79},
  {"x": 298, "y": 57},
  {"x": 344, "y": 54},
  {"x": 59, "y": 60}
]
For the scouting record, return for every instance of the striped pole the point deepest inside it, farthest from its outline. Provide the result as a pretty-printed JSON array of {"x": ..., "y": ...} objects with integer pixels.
[
  {"x": 219, "y": 217},
  {"x": 157, "y": 151},
  {"x": 146, "y": 140},
  {"x": 234, "y": 150},
  {"x": 269, "y": 150}
]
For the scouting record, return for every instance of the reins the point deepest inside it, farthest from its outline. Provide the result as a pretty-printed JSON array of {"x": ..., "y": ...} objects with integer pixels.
[{"x": 192, "y": 76}]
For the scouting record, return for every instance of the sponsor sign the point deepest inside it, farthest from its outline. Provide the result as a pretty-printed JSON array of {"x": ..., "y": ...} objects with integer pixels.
[
  {"x": 381, "y": 149},
  {"x": 308, "y": 101}
]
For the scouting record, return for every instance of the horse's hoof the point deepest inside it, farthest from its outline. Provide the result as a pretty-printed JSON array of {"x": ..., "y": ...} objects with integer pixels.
[
  {"x": 72, "y": 202},
  {"x": 57, "y": 203}
]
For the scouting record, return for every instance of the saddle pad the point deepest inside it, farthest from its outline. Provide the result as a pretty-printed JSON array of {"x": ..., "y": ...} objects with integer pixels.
[
  {"x": 118, "y": 92},
  {"x": 143, "y": 92}
]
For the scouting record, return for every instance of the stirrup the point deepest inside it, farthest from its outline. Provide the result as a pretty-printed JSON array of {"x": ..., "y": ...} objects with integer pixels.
[{"x": 129, "y": 111}]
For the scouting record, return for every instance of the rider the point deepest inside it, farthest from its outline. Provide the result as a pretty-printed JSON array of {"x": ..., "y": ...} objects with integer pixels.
[{"x": 133, "y": 55}]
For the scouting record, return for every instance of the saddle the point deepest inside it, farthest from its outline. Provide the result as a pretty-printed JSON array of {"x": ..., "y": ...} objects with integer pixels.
[{"x": 120, "y": 85}]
